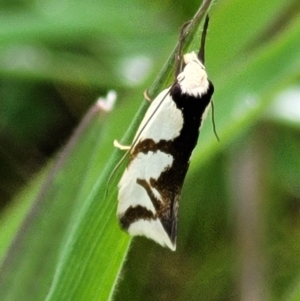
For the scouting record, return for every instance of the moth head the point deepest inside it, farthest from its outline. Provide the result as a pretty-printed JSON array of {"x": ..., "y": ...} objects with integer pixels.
[
  {"x": 192, "y": 57},
  {"x": 193, "y": 78}
]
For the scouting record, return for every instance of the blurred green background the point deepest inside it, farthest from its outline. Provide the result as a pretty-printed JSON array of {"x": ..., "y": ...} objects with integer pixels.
[{"x": 239, "y": 218}]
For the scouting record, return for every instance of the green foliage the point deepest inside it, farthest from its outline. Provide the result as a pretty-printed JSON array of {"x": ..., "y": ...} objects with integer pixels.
[{"x": 239, "y": 211}]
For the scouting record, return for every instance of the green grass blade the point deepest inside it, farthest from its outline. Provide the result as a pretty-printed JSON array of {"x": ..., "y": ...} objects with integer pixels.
[{"x": 34, "y": 251}]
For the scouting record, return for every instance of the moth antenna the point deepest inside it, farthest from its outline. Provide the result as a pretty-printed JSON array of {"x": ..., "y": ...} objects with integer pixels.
[
  {"x": 201, "y": 53},
  {"x": 142, "y": 129},
  {"x": 178, "y": 54},
  {"x": 213, "y": 120},
  {"x": 114, "y": 171}
]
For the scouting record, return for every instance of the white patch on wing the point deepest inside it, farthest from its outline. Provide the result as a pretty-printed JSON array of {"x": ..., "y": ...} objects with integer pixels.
[
  {"x": 152, "y": 229},
  {"x": 193, "y": 78},
  {"x": 162, "y": 121},
  {"x": 156, "y": 193},
  {"x": 144, "y": 167}
]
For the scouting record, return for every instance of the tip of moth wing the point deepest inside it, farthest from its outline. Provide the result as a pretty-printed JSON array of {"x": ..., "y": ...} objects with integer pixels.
[
  {"x": 152, "y": 229},
  {"x": 173, "y": 247},
  {"x": 170, "y": 226}
]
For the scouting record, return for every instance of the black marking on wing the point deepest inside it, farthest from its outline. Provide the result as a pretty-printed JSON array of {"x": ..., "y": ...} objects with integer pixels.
[
  {"x": 134, "y": 214},
  {"x": 192, "y": 109},
  {"x": 170, "y": 181},
  {"x": 162, "y": 209}
]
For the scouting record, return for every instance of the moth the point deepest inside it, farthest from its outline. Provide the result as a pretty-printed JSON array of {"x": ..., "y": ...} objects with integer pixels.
[{"x": 159, "y": 156}]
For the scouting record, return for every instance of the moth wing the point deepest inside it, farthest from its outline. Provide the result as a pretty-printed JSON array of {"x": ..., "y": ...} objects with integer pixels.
[
  {"x": 136, "y": 208},
  {"x": 136, "y": 211},
  {"x": 162, "y": 121}
]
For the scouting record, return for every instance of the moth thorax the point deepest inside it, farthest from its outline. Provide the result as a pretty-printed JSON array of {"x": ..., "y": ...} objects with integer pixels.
[{"x": 193, "y": 79}]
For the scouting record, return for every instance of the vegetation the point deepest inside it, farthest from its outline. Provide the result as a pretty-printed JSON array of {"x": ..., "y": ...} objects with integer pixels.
[{"x": 239, "y": 221}]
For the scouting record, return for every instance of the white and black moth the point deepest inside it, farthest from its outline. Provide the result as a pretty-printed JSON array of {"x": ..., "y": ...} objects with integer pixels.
[{"x": 150, "y": 187}]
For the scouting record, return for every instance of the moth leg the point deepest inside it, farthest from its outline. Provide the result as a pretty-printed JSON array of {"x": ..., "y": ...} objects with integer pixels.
[
  {"x": 121, "y": 146},
  {"x": 146, "y": 96}
]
